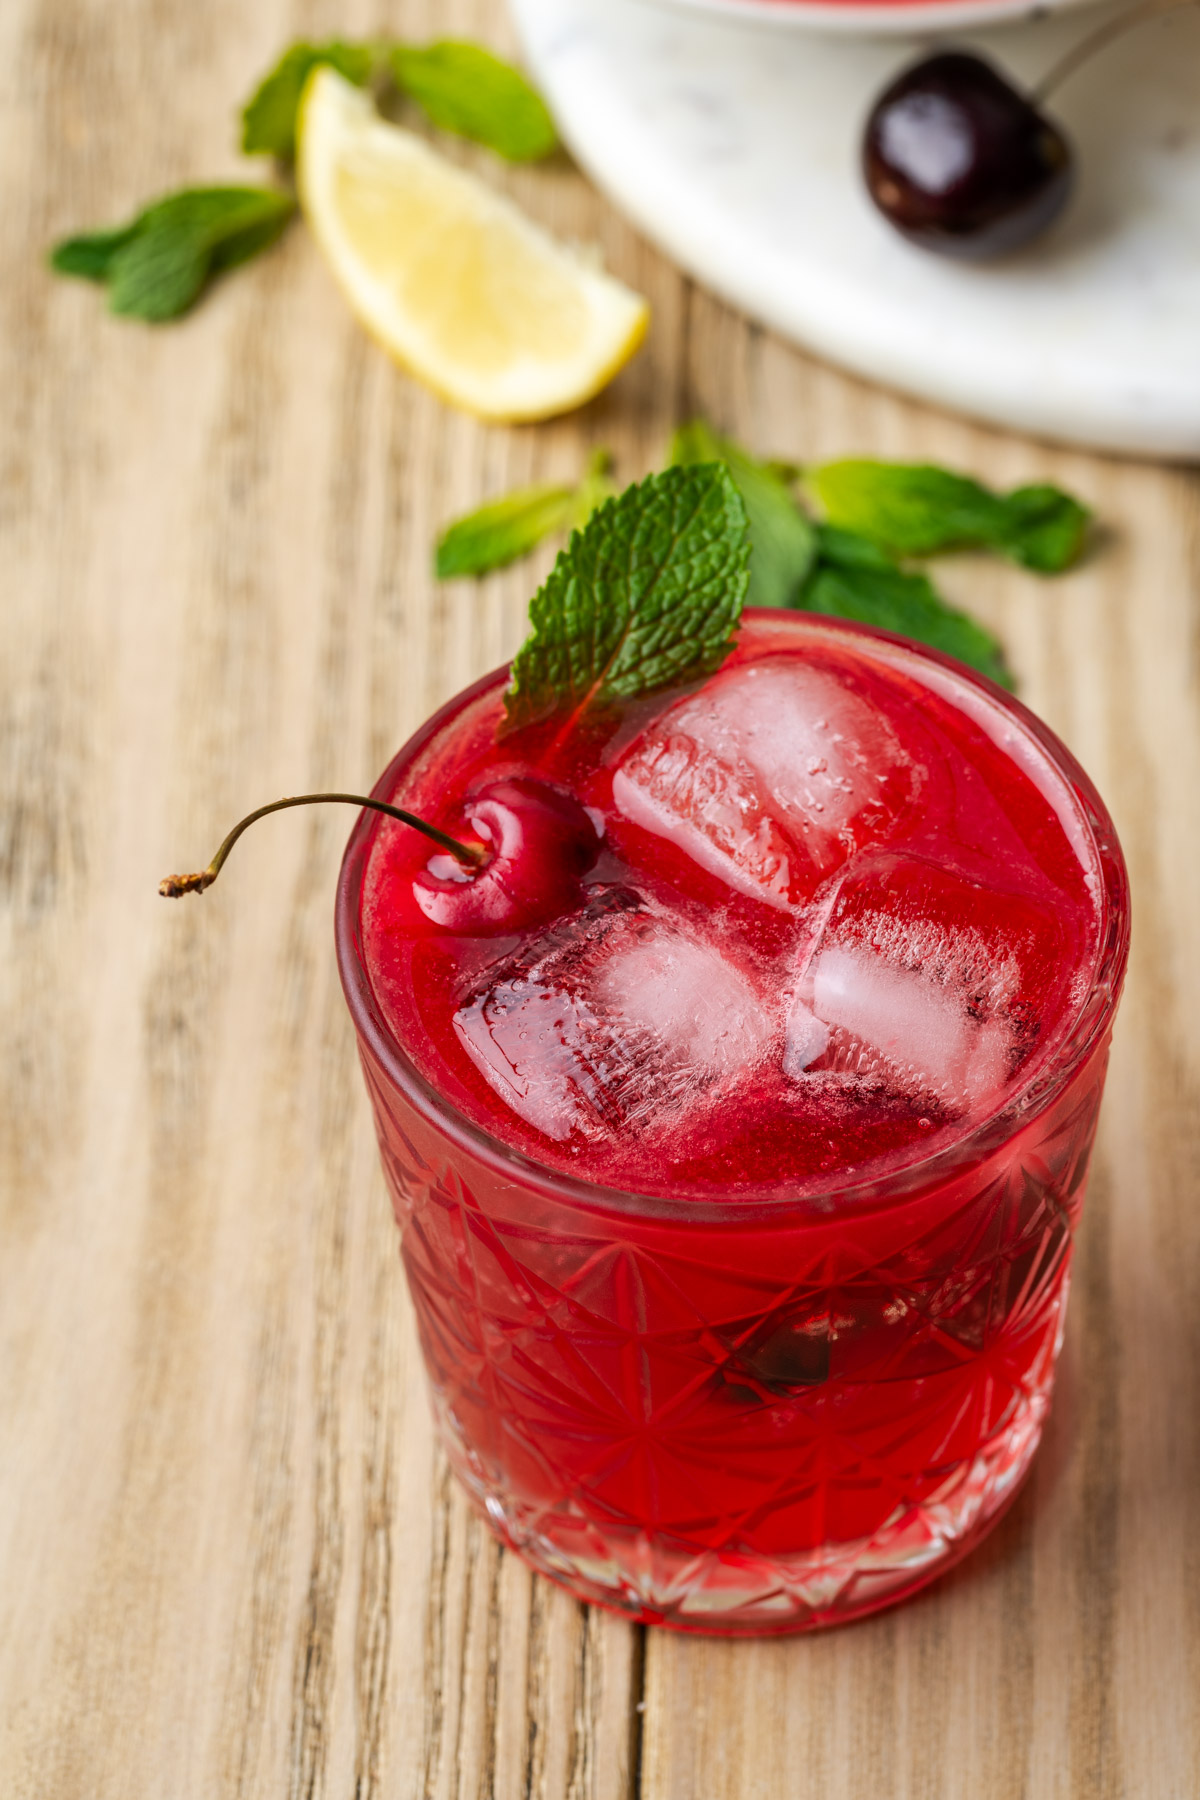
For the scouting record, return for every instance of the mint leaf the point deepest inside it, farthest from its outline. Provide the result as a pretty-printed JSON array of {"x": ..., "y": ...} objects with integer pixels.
[
  {"x": 269, "y": 116},
  {"x": 647, "y": 595},
  {"x": 158, "y": 264},
  {"x": 1044, "y": 529},
  {"x": 912, "y": 508},
  {"x": 781, "y": 537},
  {"x": 504, "y": 529},
  {"x": 465, "y": 89},
  {"x": 850, "y": 550},
  {"x": 159, "y": 274},
  {"x": 90, "y": 256},
  {"x": 917, "y": 509},
  {"x": 853, "y": 579}
]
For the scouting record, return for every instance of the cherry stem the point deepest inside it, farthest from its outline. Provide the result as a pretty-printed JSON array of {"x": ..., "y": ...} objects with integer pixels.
[
  {"x": 1100, "y": 38},
  {"x": 172, "y": 886}
]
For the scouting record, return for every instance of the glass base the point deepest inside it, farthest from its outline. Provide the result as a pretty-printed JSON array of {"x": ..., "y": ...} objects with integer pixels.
[{"x": 653, "y": 1582}]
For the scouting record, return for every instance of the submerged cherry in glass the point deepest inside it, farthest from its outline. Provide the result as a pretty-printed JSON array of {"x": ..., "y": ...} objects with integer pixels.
[{"x": 960, "y": 162}]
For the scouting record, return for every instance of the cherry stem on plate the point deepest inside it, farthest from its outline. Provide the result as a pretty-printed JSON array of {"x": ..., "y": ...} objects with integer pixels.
[
  {"x": 1100, "y": 38},
  {"x": 172, "y": 886}
]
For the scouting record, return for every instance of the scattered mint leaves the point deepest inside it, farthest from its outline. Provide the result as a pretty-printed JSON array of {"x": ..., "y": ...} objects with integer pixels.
[
  {"x": 917, "y": 509},
  {"x": 647, "y": 595},
  {"x": 504, "y": 529},
  {"x": 156, "y": 267},
  {"x": 463, "y": 88},
  {"x": 460, "y": 86},
  {"x": 854, "y": 579},
  {"x": 828, "y": 569},
  {"x": 782, "y": 538},
  {"x": 269, "y": 116},
  {"x": 852, "y": 567}
]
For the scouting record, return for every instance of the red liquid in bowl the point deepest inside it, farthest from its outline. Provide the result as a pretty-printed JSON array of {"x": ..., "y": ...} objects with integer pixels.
[{"x": 737, "y": 1198}]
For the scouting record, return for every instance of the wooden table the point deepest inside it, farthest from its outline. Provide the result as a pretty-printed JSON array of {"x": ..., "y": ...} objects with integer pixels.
[{"x": 232, "y": 1563}]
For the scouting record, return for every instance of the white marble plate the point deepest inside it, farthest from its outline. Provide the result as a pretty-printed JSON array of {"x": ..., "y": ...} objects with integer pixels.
[
  {"x": 878, "y": 17},
  {"x": 736, "y": 150}
]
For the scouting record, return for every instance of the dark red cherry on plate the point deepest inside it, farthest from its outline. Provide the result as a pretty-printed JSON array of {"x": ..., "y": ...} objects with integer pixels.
[
  {"x": 539, "y": 844},
  {"x": 962, "y": 163}
]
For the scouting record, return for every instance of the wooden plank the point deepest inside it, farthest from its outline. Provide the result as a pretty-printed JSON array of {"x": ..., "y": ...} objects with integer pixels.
[{"x": 232, "y": 1563}]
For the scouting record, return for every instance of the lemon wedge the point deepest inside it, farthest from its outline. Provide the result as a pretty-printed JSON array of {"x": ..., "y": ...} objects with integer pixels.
[{"x": 453, "y": 280}]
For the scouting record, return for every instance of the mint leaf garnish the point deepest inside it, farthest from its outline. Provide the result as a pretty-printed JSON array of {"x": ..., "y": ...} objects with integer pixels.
[
  {"x": 156, "y": 266},
  {"x": 917, "y": 509},
  {"x": 647, "y": 595},
  {"x": 269, "y": 116},
  {"x": 781, "y": 537},
  {"x": 465, "y": 89},
  {"x": 854, "y": 579},
  {"x": 514, "y": 524}
]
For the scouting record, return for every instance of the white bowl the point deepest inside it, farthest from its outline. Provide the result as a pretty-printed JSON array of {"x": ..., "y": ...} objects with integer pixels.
[{"x": 876, "y": 18}]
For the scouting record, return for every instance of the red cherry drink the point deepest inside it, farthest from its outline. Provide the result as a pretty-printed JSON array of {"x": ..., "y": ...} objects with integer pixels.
[{"x": 737, "y": 1112}]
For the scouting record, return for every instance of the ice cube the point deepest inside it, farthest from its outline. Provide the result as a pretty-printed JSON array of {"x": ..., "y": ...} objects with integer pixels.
[
  {"x": 769, "y": 777},
  {"x": 922, "y": 1030},
  {"x": 932, "y": 982},
  {"x": 684, "y": 991},
  {"x": 615, "y": 1018}
]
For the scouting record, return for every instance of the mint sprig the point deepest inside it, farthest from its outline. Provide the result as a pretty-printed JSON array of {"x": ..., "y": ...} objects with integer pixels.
[
  {"x": 917, "y": 509},
  {"x": 782, "y": 538},
  {"x": 854, "y": 579},
  {"x": 499, "y": 532},
  {"x": 269, "y": 116},
  {"x": 156, "y": 267},
  {"x": 463, "y": 88},
  {"x": 646, "y": 596}
]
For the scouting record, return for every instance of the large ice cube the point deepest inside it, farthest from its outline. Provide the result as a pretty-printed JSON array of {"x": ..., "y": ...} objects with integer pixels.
[
  {"x": 933, "y": 983},
  {"x": 770, "y": 777},
  {"x": 614, "y": 1018}
]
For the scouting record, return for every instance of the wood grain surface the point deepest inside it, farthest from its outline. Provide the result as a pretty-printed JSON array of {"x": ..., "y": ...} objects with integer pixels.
[{"x": 231, "y": 1562}]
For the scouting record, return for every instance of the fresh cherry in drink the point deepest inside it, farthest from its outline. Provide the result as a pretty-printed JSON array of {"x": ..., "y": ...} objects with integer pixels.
[
  {"x": 961, "y": 162},
  {"x": 539, "y": 843}
]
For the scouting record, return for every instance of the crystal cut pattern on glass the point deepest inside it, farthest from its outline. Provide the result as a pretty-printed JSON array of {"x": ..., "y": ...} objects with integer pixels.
[{"x": 741, "y": 1427}]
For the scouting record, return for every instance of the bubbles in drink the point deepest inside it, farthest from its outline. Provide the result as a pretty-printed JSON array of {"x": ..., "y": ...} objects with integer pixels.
[{"x": 770, "y": 778}]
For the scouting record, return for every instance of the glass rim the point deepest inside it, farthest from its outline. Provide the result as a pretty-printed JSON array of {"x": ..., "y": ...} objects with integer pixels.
[{"x": 818, "y": 1197}]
